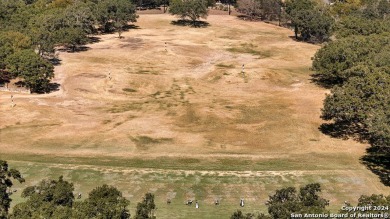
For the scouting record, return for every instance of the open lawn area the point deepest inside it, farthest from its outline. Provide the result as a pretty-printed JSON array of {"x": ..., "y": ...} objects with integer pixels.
[{"x": 167, "y": 109}]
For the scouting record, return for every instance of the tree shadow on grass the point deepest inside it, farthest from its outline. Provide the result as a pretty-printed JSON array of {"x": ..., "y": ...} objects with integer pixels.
[
  {"x": 94, "y": 39},
  {"x": 319, "y": 80},
  {"x": 130, "y": 26},
  {"x": 74, "y": 49},
  {"x": 378, "y": 161},
  {"x": 344, "y": 131},
  {"x": 377, "y": 158},
  {"x": 111, "y": 29},
  {"x": 249, "y": 18},
  {"x": 55, "y": 61},
  {"x": 51, "y": 87},
  {"x": 198, "y": 24}
]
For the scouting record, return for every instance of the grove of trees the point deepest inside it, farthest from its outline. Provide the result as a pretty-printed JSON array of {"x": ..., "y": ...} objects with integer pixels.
[
  {"x": 288, "y": 201},
  {"x": 6, "y": 177},
  {"x": 55, "y": 199},
  {"x": 356, "y": 65},
  {"x": 31, "y": 29},
  {"x": 261, "y": 9},
  {"x": 310, "y": 20}
]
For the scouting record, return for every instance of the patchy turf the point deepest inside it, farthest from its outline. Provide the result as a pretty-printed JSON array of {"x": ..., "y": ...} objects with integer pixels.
[{"x": 179, "y": 118}]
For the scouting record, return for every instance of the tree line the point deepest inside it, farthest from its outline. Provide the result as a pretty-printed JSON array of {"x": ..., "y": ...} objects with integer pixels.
[
  {"x": 310, "y": 20},
  {"x": 31, "y": 29},
  {"x": 356, "y": 66},
  {"x": 56, "y": 199}
]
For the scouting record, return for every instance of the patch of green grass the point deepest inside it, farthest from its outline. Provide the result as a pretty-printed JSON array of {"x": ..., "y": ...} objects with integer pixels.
[
  {"x": 221, "y": 65},
  {"x": 251, "y": 49},
  {"x": 145, "y": 71},
  {"x": 142, "y": 71},
  {"x": 100, "y": 60},
  {"x": 118, "y": 124},
  {"x": 129, "y": 90},
  {"x": 144, "y": 142},
  {"x": 126, "y": 107},
  {"x": 33, "y": 124},
  {"x": 106, "y": 121},
  {"x": 216, "y": 78}
]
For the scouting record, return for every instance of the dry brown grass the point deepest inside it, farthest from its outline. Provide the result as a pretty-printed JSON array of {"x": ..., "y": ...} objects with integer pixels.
[{"x": 189, "y": 100}]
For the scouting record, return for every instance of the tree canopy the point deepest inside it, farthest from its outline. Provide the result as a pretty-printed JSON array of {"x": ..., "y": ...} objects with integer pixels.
[
  {"x": 50, "y": 199},
  {"x": 311, "y": 21},
  {"x": 6, "y": 181},
  {"x": 353, "y": 56},
  {"x": 55, "y": 199},
  {"x": 286, "y": 201},
  {"x": 33, "y": 69},
  {"x": 145, "y": 209},
  {"x": 30, "y": 31},
  {"x": 104, "y": 202},
  {"x": 192, "y": 9},
  {"x": 356, "y": 65}
]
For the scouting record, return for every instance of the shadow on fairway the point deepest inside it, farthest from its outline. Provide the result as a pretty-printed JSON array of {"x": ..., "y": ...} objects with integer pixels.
[
  {"x": 378, "y": 161},
  {"x": 377, "y": 158},
  {"x": 190, "y": 23}
]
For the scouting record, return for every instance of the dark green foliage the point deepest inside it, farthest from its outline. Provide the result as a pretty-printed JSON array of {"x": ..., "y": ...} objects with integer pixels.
[
  {"x": 348, "y": 57},
  {"x": 43, "y": 31},
  {"x": 373, "y": 201},
  {"x": 372, "y": 17},
  {"x": 145, "y": 209},
  {"x": 358, "y": 64},
  {"x": 104, "y": 202},
  {"x": 48, "y": 199},
  {"x": 287, "y": 201},
  {"x": 6, "y": 176},
  {"x": 80, "y": 15},
  {"x": 359, "y": 25},
  {"x": 33, "y": 69},
  {"x": 39, "y": 26},
  {"x": 48, "y": 22},
  {"x": 283, "y": 203},
  {"x": 7, "y": 9},
  {"x": 68, "y": 27},
  {"x": 362, "y": 106},
  {"x": 72, "y": 37},
  {"x": 311, "y": 202},
  {"x": 239, "y": 215},
  {"x": 192, "y": 9},
  {"x": 11, "y": 42},
  {"x": 114, "y": 14},
  {"x": 58, "y": 192},
  {"x": 310, "y": 21},
  {"x": 55, "y": 199},
  {"x": 384, "y": 8}
]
